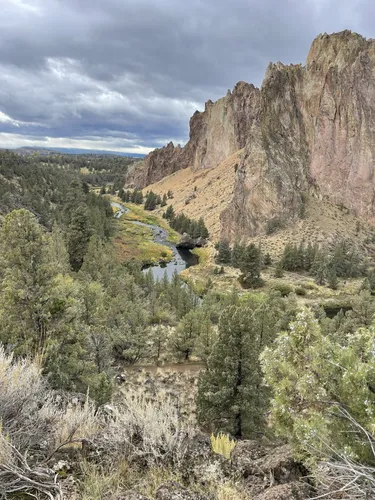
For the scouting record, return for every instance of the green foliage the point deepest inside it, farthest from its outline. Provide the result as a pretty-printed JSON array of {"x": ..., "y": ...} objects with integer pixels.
[
  {"x": 169, "y": 213},
  {"x": 237, "y": 254},
  {"x": 182, "y": 224},
  {"x": 231, "y": 397},
  {"x": 78, "y": 237},
  {"x": 224, "y": 254},
  {"x": 279, "y": 269},
  {"x": 251, "y": 266},
  {"x": 316, "y": 379},
  {"x": 195, "y": 326},
  {"x": 151, "y": 201},
  {"x": 283, "y": 287}
]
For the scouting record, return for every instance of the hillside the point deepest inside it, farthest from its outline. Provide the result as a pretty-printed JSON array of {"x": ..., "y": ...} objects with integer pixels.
[{"x": 308, "y": 133}]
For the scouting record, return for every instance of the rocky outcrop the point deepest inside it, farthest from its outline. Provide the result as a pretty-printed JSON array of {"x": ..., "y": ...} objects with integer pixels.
[
  {"x": 187, "y": 242},
  {"x": 216, "y": 133},
  {"x": 309, "y": 133},
  {"x": 269, "y": 472},
  {"x": 316, "y": 137}
]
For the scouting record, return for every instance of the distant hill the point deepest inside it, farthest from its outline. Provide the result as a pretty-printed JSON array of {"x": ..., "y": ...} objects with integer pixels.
[{"x": 26, "y": 150}]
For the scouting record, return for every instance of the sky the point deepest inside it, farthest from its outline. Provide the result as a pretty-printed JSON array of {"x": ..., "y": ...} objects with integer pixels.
[{"x": 126, "y": 75}]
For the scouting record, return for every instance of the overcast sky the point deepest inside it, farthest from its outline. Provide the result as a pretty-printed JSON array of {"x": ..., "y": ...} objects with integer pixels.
[{"x": 126, "y": 75}]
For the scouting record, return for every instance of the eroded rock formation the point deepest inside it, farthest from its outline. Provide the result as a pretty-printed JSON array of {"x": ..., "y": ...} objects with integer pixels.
[
  {"x": 308, "y": 133},
  {"x": 216, "y": 133},
  {"x": 316, "y": 137}
]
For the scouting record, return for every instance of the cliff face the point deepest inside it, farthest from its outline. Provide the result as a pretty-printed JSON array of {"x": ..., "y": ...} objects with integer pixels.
[
  {"x": 216, "y": 133},
  {"x": 309, "y": 132},
  {"x": 316, "y": 136}
]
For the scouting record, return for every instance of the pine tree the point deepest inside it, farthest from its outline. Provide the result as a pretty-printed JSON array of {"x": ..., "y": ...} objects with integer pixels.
[
  {"x": 164, "y": 201},
  {"x": 332, "y": 277},
  {"x": 151, "y": 201},
  {"x": 279, "y": 270},
  {"x": 26, "y": 283},
  {"x": 237, "y": 254},
  {"x": 169, "y": 213},
  {"x": 267, "y": 259},
  {"x": 319, "y": 267},
  {"x": 78, "y": 237},
  {"x": 224, "y": 254},
  {"x": 251, "y": 266},
  {"x": 188, "y": 330},
  {"x": 231, "y": 397},
  {"x": 202, "y": 229}
]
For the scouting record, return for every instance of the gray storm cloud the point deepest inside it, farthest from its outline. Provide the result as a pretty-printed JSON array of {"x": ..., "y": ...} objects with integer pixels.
[{"x": 127, "y": 75}]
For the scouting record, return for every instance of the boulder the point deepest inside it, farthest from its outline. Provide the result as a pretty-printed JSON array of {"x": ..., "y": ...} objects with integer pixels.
[
  {"x": 200, "y": 242},
  {"x": 186, "y": 241}
]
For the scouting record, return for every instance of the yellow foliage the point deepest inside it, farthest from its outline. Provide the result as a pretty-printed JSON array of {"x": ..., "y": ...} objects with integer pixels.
[{"x": 222, "y": 444}]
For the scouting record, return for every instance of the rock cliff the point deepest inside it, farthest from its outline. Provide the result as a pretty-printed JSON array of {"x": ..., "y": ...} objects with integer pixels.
[
  {"x": 316, "y": 137},
  {"x": 308, "y": 133},
  {"x": 216, "y": 133}
]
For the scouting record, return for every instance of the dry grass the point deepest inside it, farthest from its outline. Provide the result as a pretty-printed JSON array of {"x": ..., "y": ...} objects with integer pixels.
[
  {"x": 136, "y": 242},
  {"x": 209, "y": 192},
  {"x": 222, "y": 444}
]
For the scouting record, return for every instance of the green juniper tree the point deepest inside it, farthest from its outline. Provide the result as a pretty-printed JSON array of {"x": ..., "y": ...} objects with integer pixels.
[
  {"x": 231, "y": 396},
  {"x": 224, "y": 253},
  {"x": 251, "y": 266}
]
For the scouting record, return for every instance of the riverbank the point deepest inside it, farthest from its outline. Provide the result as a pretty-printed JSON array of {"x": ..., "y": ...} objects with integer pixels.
[{"x": 147, "y": 238}]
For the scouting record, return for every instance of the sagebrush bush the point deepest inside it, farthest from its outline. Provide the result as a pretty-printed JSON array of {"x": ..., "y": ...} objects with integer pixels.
[{"x": 150, "y": 430}]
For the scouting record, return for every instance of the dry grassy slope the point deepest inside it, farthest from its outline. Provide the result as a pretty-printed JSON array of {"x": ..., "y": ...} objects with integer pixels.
[
  {"x": 209, "y": 191},
  {"x": 323, "y": 224}
]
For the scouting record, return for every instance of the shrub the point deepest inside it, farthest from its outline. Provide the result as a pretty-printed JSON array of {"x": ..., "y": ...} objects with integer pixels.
[
  {"x": 300, "y": 291},
  {"x": 222, "y": 444},
  {"x": 282, "y": 287},
  {"x": 150, "y": 430}
]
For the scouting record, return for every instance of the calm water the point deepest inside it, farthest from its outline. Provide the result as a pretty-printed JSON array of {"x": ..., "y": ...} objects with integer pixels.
[{"x": 182, "y": 258}]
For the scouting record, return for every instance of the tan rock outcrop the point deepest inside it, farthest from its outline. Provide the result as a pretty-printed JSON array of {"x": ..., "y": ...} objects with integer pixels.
[
  {"x": 216, "y": 133},
  {"x": 316, "y": 137},
  {"x": 308, "y": 133}
]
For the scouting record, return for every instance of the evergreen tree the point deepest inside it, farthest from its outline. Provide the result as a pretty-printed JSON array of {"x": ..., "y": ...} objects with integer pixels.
[
  {"x": 169, "y": 213},
  {"x": 237, "y": 254},
  {"x": 316, "y": 382},
  {"x": 202, "y": 229},
  {"x": 102, "y": 190},
  {"x": 309, "y": 256},
  {"x": 78, "y": 237},
  {"x": 319, "y": 267},
  {"x": 332, "y": 277},
  {"x": 164, "y": 201},
  {"x": 279, "y": 269},
  {"x": 184, "y": 339},
  {"x": 251, "y": 266},
  {"x": 231, "y": 397},
  {"x": 267, "y": 260},
  {"x": 224, "y": 254},
  {"x": 206, "y": 339},
  {"x": 26, "y": 283}
]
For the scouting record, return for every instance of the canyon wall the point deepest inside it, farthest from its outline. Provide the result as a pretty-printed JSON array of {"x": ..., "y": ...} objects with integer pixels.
[{"x": 309, "y": 131}]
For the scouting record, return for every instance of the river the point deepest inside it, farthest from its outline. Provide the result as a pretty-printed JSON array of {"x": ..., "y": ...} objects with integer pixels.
[{"x": 182, "y": 258}]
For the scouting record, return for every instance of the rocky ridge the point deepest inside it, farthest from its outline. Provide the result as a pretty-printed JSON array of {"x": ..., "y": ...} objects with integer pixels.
[
  {"x": 309, "y": 132},
  {"x": 316, "y": 137},
  {"x": 216, "y": 133}
]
